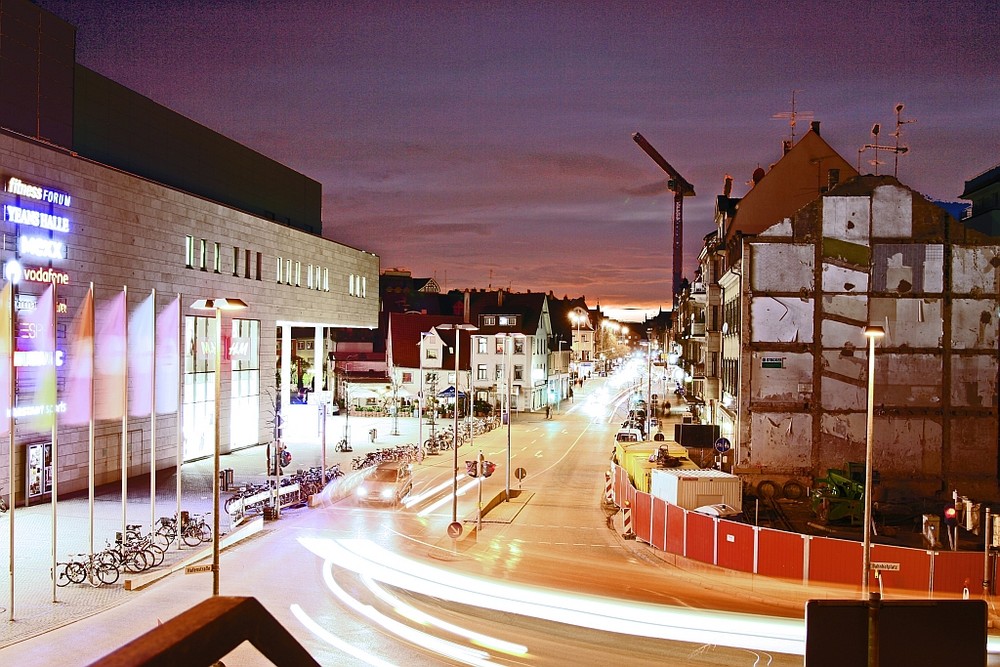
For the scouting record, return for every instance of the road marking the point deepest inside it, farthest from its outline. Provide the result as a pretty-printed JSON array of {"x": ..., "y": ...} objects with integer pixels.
[{"x": 538, "y": 454}]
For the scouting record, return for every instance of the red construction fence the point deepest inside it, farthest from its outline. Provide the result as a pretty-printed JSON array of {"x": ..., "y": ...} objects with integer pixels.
[{"x": 805, "y": 558}]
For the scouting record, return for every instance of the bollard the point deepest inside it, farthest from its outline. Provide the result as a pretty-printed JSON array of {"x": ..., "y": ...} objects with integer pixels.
[
  {"x": 608, "y": 491},
  {"x": 627, "y": 521}
]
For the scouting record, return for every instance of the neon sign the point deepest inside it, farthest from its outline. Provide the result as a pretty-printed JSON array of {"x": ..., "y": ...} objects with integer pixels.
[
  {"x": 16, "y": 186},
  {"x": 36, "y": 246},
  {"x": 15, "y": 273},
  {"x": 30, "y": 218}
]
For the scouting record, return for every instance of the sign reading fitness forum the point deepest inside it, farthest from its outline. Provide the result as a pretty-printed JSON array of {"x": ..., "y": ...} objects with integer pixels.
[{"x": 37, "y": 231}]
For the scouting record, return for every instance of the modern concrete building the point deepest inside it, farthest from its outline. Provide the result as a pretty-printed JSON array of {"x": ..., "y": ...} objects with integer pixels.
[{"x": 104, "y": 187}]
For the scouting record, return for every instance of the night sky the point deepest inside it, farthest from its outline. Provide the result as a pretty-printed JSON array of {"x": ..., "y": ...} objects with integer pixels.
[{"x": 489, "y": 143}]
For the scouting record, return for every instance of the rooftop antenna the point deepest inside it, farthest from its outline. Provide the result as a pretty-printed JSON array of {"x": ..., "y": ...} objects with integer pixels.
[
  {"x": 896, "y": 149},
  {"x": 899, "y": 149},
  {"x": 793, "y": 116}
]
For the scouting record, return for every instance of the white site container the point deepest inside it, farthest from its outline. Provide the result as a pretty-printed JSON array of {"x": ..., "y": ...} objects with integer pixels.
[{"x": 693, "y": 488}]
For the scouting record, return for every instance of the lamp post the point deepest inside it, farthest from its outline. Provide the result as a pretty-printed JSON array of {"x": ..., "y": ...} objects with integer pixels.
[
  {"x": 458, "y": 337},
  {"x": 872, "y": 333},
  {"x": 218, "y": 305},
  {"x": 508, "y": 355}
]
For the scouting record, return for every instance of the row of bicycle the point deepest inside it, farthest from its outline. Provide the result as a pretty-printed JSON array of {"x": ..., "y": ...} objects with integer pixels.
[
  {"x": 408, "y": 453},
  {"x": 137, "y": 552},
  {"x": 292, "y": 489}
]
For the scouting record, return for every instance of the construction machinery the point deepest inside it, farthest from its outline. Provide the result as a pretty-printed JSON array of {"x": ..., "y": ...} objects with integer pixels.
[
  {"x": 841, "y": 494},
  {"x": 681, "y": 189}
]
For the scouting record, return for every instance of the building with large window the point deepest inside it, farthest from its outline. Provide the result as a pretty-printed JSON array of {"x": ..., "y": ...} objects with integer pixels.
[{"x": 105, "y": 188}]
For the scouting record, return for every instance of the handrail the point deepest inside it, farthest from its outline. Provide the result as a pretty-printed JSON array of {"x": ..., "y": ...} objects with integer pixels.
[{"x": 209, "y": 631}]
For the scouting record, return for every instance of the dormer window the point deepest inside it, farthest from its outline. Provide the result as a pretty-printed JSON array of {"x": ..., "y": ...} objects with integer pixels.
[{"x": 489, "y": 321}]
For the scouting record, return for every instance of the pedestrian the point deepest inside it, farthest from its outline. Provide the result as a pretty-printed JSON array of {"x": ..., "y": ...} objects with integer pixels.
[{"x": 548, "y": 411}]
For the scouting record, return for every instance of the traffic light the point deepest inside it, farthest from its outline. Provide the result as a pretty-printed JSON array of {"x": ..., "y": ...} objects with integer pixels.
[
  {"x": 488, "y": 468},
  {"x": 472, "y": 468},
  {"x": 950, "y": 515}
]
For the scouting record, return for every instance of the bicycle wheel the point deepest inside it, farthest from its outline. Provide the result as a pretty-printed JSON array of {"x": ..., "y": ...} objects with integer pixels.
[
  {"x": 76, "y": 572},
  {"x": 158, "y": 553},
  {"x": 61, "y": 577},
  {"x": 165, "y": 537},
  {"x": 136, "y": 561},
  {"x": 205, "y": 532},
  {"x": 106, "y": 573},
  {"x": 192, "y": 535}
]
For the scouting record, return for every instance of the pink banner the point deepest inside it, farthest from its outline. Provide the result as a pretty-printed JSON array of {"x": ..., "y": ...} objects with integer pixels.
[
  {"x": 80, "y": 365},
  {"x": 109, "y": 344},
  {"x": 141, "y": 326},
  {"x": 5, "y": 358},
  {"x": 168, "y": 357}
]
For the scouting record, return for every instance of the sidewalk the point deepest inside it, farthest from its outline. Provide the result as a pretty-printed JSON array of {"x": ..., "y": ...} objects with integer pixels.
[{"x": 35, "y": 612}]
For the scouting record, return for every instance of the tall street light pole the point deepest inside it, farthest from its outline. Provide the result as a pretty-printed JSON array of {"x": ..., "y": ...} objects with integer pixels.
[
  {"x": 218, "y": 305},
  {"x": 872, "y": 333},
  {"x": 459, "y": 328}
]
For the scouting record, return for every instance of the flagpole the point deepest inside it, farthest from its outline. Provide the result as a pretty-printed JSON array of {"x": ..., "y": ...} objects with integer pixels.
[
  {"x": 152, "y": 421},
  {"x": 124, "y": 414},
  {"x": 180, "y": 410},
  {"x": 90, "y": 434},
  {"x": 10, "y": 443},
  {"x": 55, "y": 442}
]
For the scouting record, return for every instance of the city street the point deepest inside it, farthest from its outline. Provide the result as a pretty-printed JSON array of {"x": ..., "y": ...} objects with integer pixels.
[{"x": 575, "y": 586}]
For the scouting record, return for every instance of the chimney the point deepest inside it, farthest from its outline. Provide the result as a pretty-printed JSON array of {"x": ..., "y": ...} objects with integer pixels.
[
  {"x": 815, "y": 127},
  {"x": 786, "y": 145},
  {"x": 728, "y": 187}
]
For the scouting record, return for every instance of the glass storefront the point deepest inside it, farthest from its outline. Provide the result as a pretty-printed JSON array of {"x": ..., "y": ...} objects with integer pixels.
[{"x": 241, "y": 350}]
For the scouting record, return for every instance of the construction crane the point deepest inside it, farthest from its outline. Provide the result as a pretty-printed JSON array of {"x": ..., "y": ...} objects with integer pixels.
[{"x": 681, "y": 189}]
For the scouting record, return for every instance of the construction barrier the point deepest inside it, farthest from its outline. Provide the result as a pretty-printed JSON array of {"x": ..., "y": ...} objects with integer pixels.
[
  {"x": 775, "y": 553},
  {"x": 627, "y": 521},
  {"x": 608, "y": 488}
]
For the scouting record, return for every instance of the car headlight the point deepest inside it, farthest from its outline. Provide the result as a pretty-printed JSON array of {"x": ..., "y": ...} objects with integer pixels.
[
  {"x": 362, "y": 491},
  {"x": 387, "y": 493}
]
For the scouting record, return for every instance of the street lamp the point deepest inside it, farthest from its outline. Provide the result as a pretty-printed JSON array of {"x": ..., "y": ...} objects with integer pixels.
[
  {"x": 218, "y": 305},
  {"x": 508, "y": 355},
  {"x": 458, "y": 337},
  {"x": 872, "y": 333}
]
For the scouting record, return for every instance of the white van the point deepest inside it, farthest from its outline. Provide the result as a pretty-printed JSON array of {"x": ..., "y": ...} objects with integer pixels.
[{"x": 628, "y": 435}]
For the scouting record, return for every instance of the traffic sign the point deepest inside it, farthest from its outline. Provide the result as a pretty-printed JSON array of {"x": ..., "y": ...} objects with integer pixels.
[
  {"x": 520, "y": 474},
  {"x": 887, "y": 567},
  {"x": 455, "y": 529},
  {"x": 722, "y": 445}
]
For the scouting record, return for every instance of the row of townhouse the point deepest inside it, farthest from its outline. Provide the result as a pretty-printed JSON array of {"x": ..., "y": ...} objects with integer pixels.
[{"x": 769, "y": 337}]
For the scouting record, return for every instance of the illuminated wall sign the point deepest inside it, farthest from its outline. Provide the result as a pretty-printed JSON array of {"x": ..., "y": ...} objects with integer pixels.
[
  {"x": 35, "y": 358},
  {"x": 16, "y": 186},
  {"x": 30, "y": 218},
  {"x": 39, "y": 274},
  {"x": 37, "y": 246},
  {"x": 37, "y": 410},
  {"x": 25, "y": 303}
]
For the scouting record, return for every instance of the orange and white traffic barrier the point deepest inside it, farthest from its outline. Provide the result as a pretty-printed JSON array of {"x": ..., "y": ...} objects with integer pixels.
[
  {"x": 627, "y": 521},
  {"x": 608, "y": 497}
]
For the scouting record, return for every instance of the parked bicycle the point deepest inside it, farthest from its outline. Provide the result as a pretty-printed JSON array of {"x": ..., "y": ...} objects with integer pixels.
[{"x": 88, "y": 568}]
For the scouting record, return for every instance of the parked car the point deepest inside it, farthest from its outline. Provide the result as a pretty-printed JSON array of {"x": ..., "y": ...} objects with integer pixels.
[
  {"x": 389, "y": 483},
  {"x": 721, "y": 510}
]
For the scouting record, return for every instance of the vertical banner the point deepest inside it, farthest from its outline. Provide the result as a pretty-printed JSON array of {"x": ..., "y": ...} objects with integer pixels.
[
  {"x": 168, "y": 357},
  {"x": 110, "y": 360},
  {"x": 35, "y": 354},
  {"x": 80, "y": 365},
  {"x": 6, "y": 361},
  {"x": 140, "y": 358}
]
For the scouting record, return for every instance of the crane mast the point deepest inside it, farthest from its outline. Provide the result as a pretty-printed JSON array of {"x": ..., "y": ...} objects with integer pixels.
[{"x": 681, "y": 189}]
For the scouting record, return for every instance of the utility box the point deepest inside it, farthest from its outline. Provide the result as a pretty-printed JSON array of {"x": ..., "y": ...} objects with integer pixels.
[{"x": 691, "y": 489}]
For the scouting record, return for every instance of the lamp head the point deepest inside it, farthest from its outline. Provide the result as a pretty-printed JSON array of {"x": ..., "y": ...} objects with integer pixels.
[
  {"x": 219, "y": 304},
  {"x": 874, "y": 332}
]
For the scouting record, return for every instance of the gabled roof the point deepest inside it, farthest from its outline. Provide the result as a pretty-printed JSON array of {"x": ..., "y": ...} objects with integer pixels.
[
  {"x": 404, "y": 335},
  {"x": 526, "y": 308},
  {"x": 800, "y": 176}
]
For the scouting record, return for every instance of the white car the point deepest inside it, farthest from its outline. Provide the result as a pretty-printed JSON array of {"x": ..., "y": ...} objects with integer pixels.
[
  {"x": 388, "y": 484},
  {"x": 721, "y": 510}
]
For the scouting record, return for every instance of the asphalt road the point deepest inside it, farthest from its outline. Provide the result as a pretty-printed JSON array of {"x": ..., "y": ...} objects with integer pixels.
[{"x": 548, "y": 580}]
